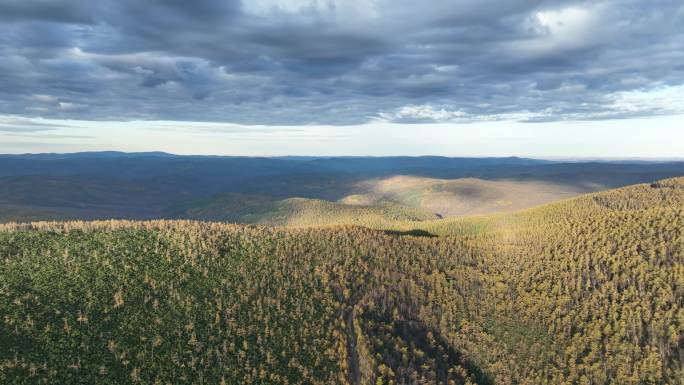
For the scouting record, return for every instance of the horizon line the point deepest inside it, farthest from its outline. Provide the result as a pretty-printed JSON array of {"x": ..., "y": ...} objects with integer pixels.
[{"x": 546, "y": 158}]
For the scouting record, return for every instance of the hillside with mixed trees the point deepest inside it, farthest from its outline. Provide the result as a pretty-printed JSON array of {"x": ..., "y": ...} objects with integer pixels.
[
  {"x": 588, "y": 290},
  {"x": 298, "y": 212},
  {"x": 381, "y": 202}
]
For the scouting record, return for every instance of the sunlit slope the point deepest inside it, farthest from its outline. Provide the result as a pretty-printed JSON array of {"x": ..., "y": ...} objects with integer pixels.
[
  {"x": 238, "y": 208},
  {"x": 642, "y": 199},
  {"x": 380, "y": 203},
  {"x": 588, "y": 290},
  {"x": 465, "y": 196}
]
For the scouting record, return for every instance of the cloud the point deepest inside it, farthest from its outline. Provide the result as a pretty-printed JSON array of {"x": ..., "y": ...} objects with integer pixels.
[
  {"x": 48, "y": 136},
  {"x": 340, "y": 62},
  {"x": 10, "y": 124},
  {"x": 665, "y": 100},
  {"x": 423, "y": 114},
  {"x": 660, "y": 101},
  {"x": 63, "y": 11},
  {"x": 218, "y": 128}
]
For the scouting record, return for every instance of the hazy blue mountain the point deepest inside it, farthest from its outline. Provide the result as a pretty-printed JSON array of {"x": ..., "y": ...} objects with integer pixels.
[{"x": 154, "y": 184}]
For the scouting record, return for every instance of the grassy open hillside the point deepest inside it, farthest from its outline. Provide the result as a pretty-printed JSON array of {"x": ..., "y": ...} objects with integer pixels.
[
  {"x": 588, "y": 290},
  {"x": 644, "y": 199}
]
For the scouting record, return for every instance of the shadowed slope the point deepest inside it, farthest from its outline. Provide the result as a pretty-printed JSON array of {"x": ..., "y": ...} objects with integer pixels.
[{"x": 237, "y": 208}]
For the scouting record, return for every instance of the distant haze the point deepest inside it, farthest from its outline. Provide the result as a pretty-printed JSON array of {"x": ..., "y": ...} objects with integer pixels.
[{"x": 647, "y": 138}]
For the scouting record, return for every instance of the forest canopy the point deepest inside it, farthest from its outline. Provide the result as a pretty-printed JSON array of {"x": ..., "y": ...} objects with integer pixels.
[{"x": 588, "y": 290}]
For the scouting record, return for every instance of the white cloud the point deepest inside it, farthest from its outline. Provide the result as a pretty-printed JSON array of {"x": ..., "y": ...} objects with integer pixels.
[
  {"x": 423, "y": 113},
  {"x": 661, "y": 100},
  {"x": 664, "y": 100},
  {"x": 42, "y": 98},
  {"x": 566, "y": 23},
  {"x": 338, "y": 10},
  {"x": 430, "y": 114},
  {"x": 565, "y": 29}
]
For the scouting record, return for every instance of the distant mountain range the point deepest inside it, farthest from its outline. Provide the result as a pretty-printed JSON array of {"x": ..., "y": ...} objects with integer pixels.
[{"x": 96, "y": 185}]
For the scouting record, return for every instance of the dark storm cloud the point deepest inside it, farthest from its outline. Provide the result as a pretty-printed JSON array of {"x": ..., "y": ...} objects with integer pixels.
[
  {"x": 340, "y": 62},
  {"x": 64, "y": 11}
]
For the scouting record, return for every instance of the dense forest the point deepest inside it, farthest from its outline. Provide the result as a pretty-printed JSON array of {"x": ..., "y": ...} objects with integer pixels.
[{"x": 588, "y": 290}]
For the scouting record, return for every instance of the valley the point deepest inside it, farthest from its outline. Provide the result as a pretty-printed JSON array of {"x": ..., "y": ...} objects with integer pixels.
[{"x": 296, "y": 190}]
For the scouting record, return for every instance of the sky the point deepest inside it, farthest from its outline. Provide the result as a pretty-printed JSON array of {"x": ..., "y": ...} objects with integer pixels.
[{"x": 553, "y": 79}]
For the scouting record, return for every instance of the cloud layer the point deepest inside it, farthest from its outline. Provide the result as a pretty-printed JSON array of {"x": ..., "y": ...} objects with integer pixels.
[{"x": 290, "y": 62}]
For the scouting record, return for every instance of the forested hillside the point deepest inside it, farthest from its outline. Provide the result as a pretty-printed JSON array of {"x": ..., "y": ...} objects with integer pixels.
[
  {"x": 380, "y": 203},
  {"x": 588, "y": 290},
  {"x": 237, "y": 208}
]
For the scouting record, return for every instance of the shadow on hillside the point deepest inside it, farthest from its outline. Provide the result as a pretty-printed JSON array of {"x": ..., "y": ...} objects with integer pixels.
[
  {"x": 412, "y": 233},
  {"x": 432, "y": 347}
]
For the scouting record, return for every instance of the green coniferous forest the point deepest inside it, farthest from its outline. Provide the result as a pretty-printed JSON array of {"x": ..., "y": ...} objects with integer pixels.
[{"x": 588, "y": 290}]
